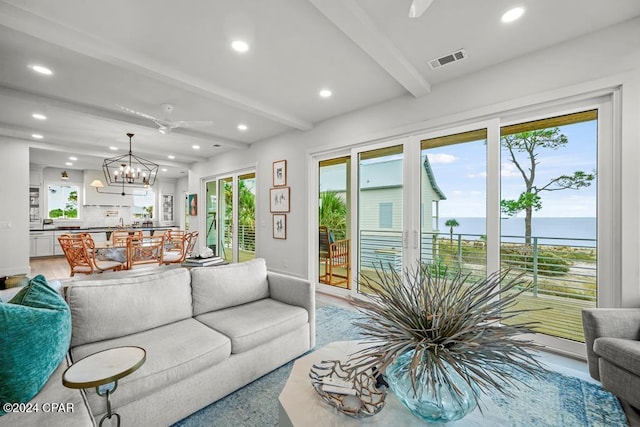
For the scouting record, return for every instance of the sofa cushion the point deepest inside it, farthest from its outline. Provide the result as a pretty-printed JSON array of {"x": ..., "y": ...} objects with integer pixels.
[
  {"x": 255, "y": 323},
  {"x": 174, "y": 352},
  {"x": 105, "y": 309},
  {"x": 36, "y": 331},
  {"x": 219, "y": 287},
  {"x": 619, "y": 351}
]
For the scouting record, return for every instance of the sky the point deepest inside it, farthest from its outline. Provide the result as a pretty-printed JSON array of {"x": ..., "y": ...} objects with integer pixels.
[{"x": 460, "y": 172}]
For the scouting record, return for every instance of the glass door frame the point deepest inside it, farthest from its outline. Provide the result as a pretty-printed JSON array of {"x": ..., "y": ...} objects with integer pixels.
[
  {"x": 314, "y": 218},
  {"x": 234, "y": 177},
  {"x": 492, "y": 214},
  {"x": 609, "y": 203}
]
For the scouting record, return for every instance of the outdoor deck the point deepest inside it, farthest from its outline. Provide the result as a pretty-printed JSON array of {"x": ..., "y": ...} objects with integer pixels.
[{"x": 557, "y": 316}]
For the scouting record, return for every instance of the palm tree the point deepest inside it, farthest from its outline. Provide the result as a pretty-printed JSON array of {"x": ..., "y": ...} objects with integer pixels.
[
  {"x": 451, "y": 223},
  {"x": 333, "y": 211}
]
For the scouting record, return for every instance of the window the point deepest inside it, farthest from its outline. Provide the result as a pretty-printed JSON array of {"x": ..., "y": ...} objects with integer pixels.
[
  {"x": 143, "y": 203},
  {"x": 386, "y": 215},
  {"x": 62, "y": 201}
]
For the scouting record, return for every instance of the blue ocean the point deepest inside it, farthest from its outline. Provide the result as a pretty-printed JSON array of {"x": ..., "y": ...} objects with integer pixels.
[{"x": 567, "y": 231}]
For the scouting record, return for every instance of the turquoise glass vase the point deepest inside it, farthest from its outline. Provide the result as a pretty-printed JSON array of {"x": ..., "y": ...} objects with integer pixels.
[{"x": 444, "y": 406}]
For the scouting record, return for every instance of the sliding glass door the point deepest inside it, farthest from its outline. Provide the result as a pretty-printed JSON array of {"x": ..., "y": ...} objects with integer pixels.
[
  {"x": 231, "y": 213},
  {"x": 549, "y": 217},
  {"x": 453, "y": 202},
  {"x": 380, "y": 213},
  {"x": 531, "y": 192},
  {"x": 334, "y": 231}
]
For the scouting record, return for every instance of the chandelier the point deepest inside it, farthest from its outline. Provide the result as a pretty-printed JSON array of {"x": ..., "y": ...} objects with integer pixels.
[{"x": 129, "y": 170}]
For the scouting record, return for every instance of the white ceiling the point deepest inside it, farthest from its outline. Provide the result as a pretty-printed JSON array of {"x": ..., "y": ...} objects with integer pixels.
[{"x": 141, "y": 54}]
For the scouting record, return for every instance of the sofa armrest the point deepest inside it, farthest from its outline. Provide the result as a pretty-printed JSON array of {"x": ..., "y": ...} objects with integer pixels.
[
  {"x": 294, "y": 291},
  {"x": 608, "y": 322}
]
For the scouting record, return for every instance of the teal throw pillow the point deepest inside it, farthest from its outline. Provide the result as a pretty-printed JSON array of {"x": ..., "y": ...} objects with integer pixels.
[{"x": 35, "y": 332}]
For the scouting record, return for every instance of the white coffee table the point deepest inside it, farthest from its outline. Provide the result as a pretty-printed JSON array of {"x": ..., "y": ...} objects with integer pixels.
[{"x": 300, "y": 405}]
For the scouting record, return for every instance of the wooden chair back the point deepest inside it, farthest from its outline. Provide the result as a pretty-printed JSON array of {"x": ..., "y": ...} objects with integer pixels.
[
  {"x": 175, "y": 240},
  {"x": 119, "y": 237},
  {"x": 193, "y": 238},
  {"x": 175, "y": 246},
  {"x": 76, "y": 253},
  {"x": 144, "y": 250},
  {"x": 80, "y": 252},
  {"x": 336, "y": 257}
]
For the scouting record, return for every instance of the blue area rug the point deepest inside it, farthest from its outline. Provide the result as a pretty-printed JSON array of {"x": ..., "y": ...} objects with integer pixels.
[{"x": 555, "y": 400}]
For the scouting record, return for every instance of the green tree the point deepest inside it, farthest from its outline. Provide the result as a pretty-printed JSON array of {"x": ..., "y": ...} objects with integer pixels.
[
  {"x": 527, "y": 145},
  {"x": 333, "y": 211},
  {"x": 451, "y": 223}
]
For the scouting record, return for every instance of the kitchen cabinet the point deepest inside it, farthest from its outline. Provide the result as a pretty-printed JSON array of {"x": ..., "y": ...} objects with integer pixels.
[
  {"x": 41, "y": 243},
  {"x": 34, "y": 204}
]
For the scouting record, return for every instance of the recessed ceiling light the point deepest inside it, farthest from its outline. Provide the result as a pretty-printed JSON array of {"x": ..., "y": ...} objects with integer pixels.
[
  {"x": 69, "y": 164},
  {"x": 39, "y": 116},
  {"x": 164, "y": 169},
  {"x": 171, "y": 156},
  {"x": 325, "y": 93},
  {"x": 36, "y": 136},
  {"x": 242, "y": 127},
  {"x": 195, "y": 147},
  {"x": 41, "y": 69},
  {"x": 73, "y": 158},
  {"x": 512, "y": 14},
  {"x": 240, "y": 46},
  {"x": 113, "y": 148}
]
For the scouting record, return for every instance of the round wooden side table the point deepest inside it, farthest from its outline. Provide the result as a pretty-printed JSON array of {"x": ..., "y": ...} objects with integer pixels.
[{"x": 102, "y": 370}]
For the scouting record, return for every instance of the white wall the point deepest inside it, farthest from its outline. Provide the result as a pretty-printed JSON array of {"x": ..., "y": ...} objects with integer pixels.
[
  {"x": 14, "y": 191},
  {"x": 606, "y": 59}
]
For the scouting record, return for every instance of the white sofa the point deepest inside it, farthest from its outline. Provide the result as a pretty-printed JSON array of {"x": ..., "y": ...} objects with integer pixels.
[{"x": 207, "y": 332}]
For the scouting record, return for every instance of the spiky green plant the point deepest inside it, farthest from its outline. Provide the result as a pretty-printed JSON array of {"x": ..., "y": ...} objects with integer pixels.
[{"x": 445, "y": 320}]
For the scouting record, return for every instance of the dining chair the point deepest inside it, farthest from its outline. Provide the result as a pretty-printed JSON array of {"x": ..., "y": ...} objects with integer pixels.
[
  {"x": 175, "y": 247},
  {"x": 144, "y": 250},
  {"x": 192, "y": 243},
  {"x": 119, "y": 237},
  {"x": 79, "y": 250},
  {"x": 174, "y": 240}
]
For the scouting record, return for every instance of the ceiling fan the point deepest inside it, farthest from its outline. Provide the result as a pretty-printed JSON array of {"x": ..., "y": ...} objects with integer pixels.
[
  {"x": 165, "y": 124},
  {"x": 418, "y": 7}
]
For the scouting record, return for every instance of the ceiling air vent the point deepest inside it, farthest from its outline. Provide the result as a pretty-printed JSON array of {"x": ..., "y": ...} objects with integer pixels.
[{"x": 447, "y": 59}]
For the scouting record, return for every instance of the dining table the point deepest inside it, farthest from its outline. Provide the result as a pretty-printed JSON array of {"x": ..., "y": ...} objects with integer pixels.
[{"x": 107, "y": 251}]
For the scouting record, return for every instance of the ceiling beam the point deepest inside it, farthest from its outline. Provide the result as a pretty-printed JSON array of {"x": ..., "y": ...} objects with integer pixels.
[
  {"x": 80, "y": 146},
  {"x": 349, "y": 17},
  {"x": 37, "y": 26},
  {"x": 111, "y": 115}
]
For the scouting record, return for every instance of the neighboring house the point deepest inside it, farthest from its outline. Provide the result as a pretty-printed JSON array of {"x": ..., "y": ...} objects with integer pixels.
[{"x": 381, "y": 204}]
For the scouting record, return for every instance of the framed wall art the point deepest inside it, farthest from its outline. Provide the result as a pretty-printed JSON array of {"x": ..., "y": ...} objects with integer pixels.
[
  {"x": 193, "y": 204},
  {"x": 167, "y": 208},
  {"x": 280, "y": 173},
  {"x": 279, "y": 199},
  {"x": 279, "y": 226}
]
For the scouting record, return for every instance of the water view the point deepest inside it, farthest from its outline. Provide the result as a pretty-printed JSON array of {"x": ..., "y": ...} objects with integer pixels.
[{"x": 567, "y": 231}]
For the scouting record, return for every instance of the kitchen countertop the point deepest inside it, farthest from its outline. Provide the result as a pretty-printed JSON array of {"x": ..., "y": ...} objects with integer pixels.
[{"x": 105, "y": 229}]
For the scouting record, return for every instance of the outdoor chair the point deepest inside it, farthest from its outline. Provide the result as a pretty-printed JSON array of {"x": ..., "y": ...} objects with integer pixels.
[
  {"x": 336, "y": 258},
  {"x": 79, "y": 250}
]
